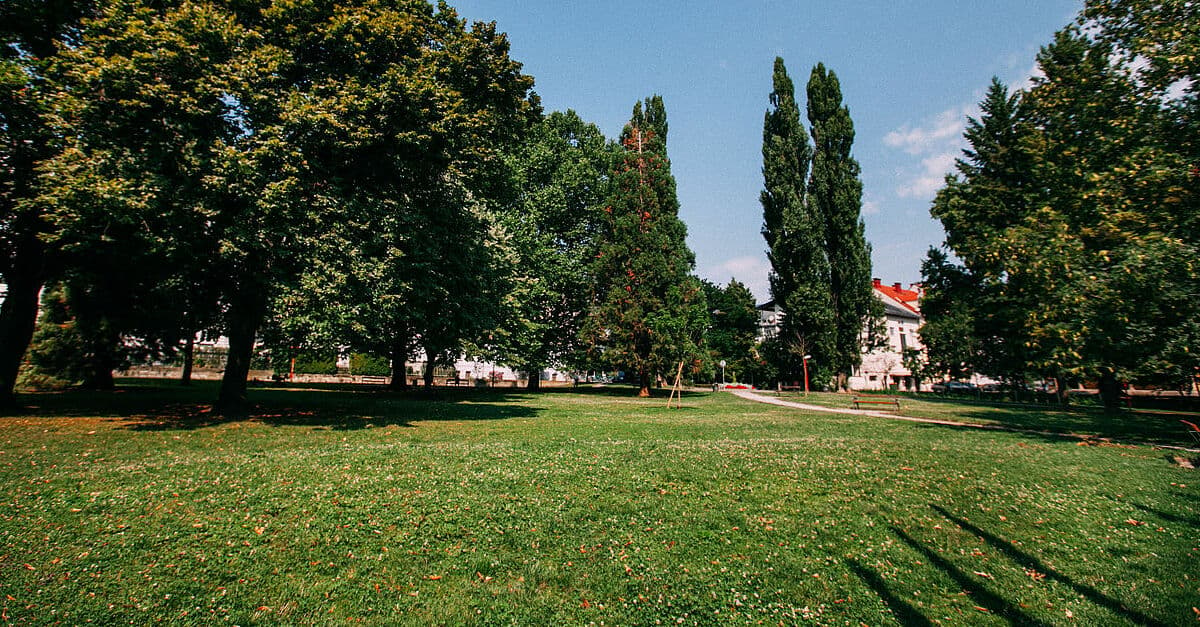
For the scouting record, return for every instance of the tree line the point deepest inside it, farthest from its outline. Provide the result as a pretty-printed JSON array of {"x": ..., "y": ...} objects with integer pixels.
[
  {"x": 1072, "y": 220},
  {"x": 375, "y": 175}
]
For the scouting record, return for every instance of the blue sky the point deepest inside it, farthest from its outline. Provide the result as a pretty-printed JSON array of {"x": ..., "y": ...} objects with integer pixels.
[{"x": 911, "y": 71}]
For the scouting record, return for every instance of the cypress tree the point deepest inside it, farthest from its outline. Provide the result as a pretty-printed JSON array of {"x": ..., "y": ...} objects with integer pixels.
[
  {"x": 647, "y": 305},
  {"x": 795, "y": 236},
  {"x": 835, "y": 194}
]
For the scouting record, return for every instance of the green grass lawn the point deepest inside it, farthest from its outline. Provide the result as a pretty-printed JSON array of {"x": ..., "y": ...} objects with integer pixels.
[{"x": 330, "y": 506}]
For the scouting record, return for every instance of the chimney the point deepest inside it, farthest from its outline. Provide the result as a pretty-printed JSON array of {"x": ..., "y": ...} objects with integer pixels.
[
  {"x": 896, "y": 286},
  {"x": 876, "y": 282}
]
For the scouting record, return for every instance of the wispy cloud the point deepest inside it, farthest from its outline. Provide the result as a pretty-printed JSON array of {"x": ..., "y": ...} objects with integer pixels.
[
  {"x": 931, "y": 177},
  {"x": 751, "y": 271},
  {"x": 944, "y": 128},
  {"x": 936, "y": 143}
]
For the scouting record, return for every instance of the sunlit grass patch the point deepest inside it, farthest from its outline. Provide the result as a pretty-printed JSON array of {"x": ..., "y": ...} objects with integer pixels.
[{"x": 490, "y": 507}]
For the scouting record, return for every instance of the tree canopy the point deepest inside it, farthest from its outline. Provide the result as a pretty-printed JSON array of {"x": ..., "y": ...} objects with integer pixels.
[{"x": 1074, "y": 213}]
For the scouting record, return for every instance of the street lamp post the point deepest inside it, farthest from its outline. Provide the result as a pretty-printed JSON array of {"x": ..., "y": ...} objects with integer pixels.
[
  {"x": 722, "y": 373},
  {"x": 806, "y": 358}
]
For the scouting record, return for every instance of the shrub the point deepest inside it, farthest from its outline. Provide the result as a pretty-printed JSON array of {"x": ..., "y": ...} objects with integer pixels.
[
  {"x": 370, "y": 365},
  {"x": 315, "y": 363}
]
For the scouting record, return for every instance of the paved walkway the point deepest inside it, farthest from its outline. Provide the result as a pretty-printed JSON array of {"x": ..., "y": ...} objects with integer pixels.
[{"x": 750, "y": 395}]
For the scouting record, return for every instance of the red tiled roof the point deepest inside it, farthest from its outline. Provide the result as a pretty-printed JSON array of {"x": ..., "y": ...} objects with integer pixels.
[{"x": 908, "y": 298}]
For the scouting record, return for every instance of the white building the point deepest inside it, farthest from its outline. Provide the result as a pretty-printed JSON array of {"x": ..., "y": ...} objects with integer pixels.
[{"x": 884, "y": 368}]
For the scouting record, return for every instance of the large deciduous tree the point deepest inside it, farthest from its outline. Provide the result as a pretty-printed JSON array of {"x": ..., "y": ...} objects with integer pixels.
[
  {"x": 732, "y": 326},
  {"x": 32, "y": 32},
  {"x": 648, "y": 311},
  {"x": 554, "y": 225},
  {"x": 413, "y": 151}
]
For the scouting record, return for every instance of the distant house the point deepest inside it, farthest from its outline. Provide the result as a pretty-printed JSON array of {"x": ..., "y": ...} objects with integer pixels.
[
  {"x": 880, "y": 369},
  {"x": 769, "y": 317},
  {"x": 884, "y": 368}
]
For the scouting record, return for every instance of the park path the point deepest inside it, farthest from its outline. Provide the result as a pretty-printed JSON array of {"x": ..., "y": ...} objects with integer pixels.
[{"x": 771, "y": 400}]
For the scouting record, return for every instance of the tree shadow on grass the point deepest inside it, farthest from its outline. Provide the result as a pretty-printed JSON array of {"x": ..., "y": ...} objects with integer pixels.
[
  {"x": 1193, "y": 522},
  {"x": 161, "y": 408},
  {"x": 985, "y": 598},
  {"x": 1026, "y": 560},
  {"x": 1045, "y": 433},
  {"x": 1144, "y": 428},
  {"x": 349, "y": 418},
  {"x": 905, "y": 613}
]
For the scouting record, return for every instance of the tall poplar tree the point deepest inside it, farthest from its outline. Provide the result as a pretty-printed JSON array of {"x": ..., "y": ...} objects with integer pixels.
[
  {"x": 648, "y": 311},
  {"x": 795, "y": 235},
  {"x": 835, "y": 192}
]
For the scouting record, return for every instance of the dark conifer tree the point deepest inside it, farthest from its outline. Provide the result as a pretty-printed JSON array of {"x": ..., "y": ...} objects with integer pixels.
[{"x": 648, "y": 308}]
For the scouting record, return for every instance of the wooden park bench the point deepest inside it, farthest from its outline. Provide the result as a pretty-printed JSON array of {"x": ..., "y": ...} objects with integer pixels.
[
  {"x": 375, "y": 380},
  {"x": 891, "y": 401},
  {"x": 780, "y": 388}
]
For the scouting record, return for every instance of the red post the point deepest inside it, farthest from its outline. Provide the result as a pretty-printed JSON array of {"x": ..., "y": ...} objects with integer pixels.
[{"x": 805, "y": 377}]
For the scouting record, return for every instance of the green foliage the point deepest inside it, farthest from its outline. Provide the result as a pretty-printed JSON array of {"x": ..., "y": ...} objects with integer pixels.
[
  {"x": 308, "y": 362},
  {"x": 820, "y": 260},
  {"x": 561, "y": 177},
  {"x": 370, "y": 365},
  {"x": 835, "y": 193},
  {"x": 795, "y": 234},
  {"x": 32, "y": 33},
  {"x": 731, "y": 329},
  {"x": 647, "y": 312},
  {"x": 71, "y": 345},
  {"x": 1075, "y": 209}
]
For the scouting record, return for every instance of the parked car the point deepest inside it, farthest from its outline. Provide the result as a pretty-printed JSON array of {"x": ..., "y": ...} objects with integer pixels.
[{"x": 954, "y": 387}]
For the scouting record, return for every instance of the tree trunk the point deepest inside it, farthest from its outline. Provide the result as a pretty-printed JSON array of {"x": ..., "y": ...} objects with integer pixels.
[
  {"x": 428, "y": 373},
  {"x": 1060, "y": 391},
  {"x": 245, "y": 314},
  {"x": 1110, "y": 391},
  {"x": 189, "y": 352},
  {"x": 535, "y": 379},
  {"x": 100, "y": 366},
  {"x": 399, "y": 356},
  {"x": 644, "y": 384},
  {"x": 18, "y": 314}
]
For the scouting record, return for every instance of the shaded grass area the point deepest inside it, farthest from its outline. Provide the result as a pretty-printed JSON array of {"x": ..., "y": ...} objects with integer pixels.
[
  {"x": 1140, "y": 426},
  {"x": 513, "y": 508}
]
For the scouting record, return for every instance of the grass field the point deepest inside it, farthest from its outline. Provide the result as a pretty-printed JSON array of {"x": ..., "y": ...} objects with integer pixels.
[{"x": 331, "y": 506}]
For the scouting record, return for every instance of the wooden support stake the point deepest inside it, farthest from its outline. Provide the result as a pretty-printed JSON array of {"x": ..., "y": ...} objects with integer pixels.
[{"x": 677, "y": 388}]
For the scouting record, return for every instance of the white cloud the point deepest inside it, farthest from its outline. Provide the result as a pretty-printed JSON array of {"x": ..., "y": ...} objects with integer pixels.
[
  {"x": 938, "y": 142},
  {"x": 944, "y": 128},
  {"x": 750, "y": 271},
  {"x": 931, "y": 177},
  {"x": 870, "y": 208},
  {"x": 1026, "y": 82}
]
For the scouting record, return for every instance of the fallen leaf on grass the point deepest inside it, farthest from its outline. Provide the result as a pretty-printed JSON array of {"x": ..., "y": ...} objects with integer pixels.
[
  {"x": 984, "y": 575},
  {"x": 983, "y": 609},
  {"x": 1135, "y": 523},
  {"x": 434, "y": 577}
]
